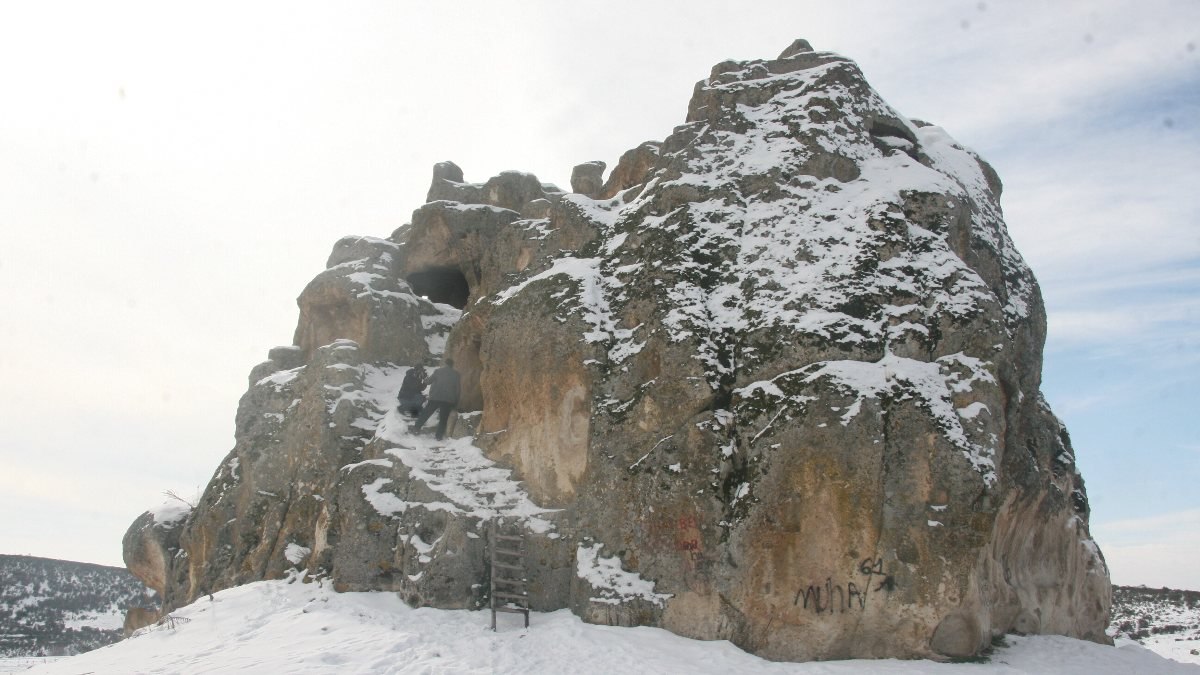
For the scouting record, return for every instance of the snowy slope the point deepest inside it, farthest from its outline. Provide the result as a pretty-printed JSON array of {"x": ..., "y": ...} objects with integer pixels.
[{"x": 282, "y": 627}]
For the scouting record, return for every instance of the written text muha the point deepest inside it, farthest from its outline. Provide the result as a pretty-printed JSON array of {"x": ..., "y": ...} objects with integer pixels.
[{"x": 830, "y": 597}]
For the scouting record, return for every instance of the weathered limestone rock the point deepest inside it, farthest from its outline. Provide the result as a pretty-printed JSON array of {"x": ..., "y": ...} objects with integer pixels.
[
  {"x": 148, "y": 548},
  {"x": 632, "y": 169},
  {"x": 137, "y": 618},
  {"x": 522, "y": 379},
  {"x": 588, "y": 178},
  {"x": 777, "y": 381},
  {"x": 360, "y": 297},
  {"x": 799, "y": 46},
  {"x": 448, "y": 184}
]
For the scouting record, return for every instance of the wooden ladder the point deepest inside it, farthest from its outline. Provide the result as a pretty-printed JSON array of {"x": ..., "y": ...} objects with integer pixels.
[{"x": 510, "y": 588}]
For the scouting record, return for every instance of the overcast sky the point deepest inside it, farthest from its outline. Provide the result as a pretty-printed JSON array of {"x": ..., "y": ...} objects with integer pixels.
[{"x": 172, "y": 175}]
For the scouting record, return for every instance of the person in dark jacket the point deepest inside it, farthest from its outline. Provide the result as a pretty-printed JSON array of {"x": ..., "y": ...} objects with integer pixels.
[
  {"x": 410, "y": 397},
  {"x": 443, "y": 396}
]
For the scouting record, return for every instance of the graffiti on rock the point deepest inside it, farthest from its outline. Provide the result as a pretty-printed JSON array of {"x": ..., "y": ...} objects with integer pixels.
[
  {"x": 828, "y": 597},
  {"x": 683, "y": 532}
]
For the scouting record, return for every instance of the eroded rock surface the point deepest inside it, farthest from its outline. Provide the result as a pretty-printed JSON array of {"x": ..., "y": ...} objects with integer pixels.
[{"x": 777, "y": 380}]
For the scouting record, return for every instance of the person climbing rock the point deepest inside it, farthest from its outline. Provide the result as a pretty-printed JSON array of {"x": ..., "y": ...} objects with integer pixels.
[
  {"x": 410, "y": 399},
  {"x": 443, "y": 396}
]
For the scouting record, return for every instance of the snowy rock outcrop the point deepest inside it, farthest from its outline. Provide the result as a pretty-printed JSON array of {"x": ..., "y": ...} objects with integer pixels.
[{"x": 777, "y": 381}]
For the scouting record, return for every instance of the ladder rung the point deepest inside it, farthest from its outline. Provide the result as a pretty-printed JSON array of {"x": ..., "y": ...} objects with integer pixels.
[
  {"x": 509, "y": 537},
  {"x": 507, "y": 566},
  {"x": 505, "y": 551},
  {"x": 514, "y": 610},
  {"x": 513, "y": 596},
  {"x": 514, "y": 582}
]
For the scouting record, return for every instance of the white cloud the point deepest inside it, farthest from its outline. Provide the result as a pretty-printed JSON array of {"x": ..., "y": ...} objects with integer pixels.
[
  {"x": 1156, "y": 551},
  {"x": 1116, "y": 283},
  {"x": 1110, "y": 230},
  {"x": 1146, "y": 323},
  {"x": 1129, "y": 207},
  {"x": 1070, "y": 404},
  {"x": 1061, "y": 61},
  {"x": 1093, "y": 324}
]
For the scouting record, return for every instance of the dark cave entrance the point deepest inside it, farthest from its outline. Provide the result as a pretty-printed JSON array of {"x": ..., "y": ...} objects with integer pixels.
[{"x": 445, "y": 285}]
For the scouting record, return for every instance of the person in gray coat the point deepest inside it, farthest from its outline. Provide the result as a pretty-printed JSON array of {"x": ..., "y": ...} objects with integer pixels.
[{"x": 444, "y": 389}]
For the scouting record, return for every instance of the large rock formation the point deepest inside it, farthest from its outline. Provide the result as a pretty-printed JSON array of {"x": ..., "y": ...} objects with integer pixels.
[{"x": 775, "y": 381}]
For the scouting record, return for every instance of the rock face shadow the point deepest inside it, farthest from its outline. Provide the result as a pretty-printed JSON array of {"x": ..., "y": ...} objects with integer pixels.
[{"x": 443, "y": 285}]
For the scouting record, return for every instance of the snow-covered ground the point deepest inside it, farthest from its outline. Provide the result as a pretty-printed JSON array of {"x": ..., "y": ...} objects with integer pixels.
[
  {"x": 20, "y": 664},
  {"x": 282, "y": 627},
  {"x": 1172, "y": 647},
  {"x": 1165, "y": 621}
]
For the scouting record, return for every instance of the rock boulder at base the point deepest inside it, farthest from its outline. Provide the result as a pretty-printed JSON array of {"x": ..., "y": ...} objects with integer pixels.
[{"x": 776, "y": 381}]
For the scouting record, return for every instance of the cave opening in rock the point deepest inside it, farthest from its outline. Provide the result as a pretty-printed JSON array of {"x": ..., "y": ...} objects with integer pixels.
[{"x": 444, "y": 285}]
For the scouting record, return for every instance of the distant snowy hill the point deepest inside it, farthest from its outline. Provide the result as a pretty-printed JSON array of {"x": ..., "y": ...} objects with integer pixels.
[
  {"x": 53, "y": 607},
  {"x": 1164, "y": 620},
  {"x": 298, "y": 628}
]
